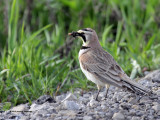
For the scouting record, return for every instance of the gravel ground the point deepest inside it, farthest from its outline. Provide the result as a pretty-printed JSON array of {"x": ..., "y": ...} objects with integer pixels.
[{"x": 119, "y": 105}]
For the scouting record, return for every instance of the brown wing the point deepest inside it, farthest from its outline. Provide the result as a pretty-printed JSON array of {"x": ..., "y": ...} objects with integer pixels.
[{"x": 102, "y": 64}]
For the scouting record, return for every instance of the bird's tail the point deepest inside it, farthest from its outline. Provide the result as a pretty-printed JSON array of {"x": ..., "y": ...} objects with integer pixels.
[{"x": 134, "y": 86}]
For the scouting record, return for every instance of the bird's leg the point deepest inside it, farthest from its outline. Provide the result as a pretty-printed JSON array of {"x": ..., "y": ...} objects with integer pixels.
[
  {"x": 107, "y": 89},
  {"x": 99, "y": 89}
]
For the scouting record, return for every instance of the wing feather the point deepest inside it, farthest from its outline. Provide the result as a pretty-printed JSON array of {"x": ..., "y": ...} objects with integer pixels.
[{"x": 101, "y": 64}]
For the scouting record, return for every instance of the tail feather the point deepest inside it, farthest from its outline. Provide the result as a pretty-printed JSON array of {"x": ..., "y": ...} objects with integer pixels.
[{"x": 134, "y": 86}]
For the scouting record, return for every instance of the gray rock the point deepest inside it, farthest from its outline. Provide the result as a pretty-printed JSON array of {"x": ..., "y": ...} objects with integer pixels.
[
  {"x": 25, "y": 118},
  {"x": 118, "y": 116},
  {"x": 35, "y": 107},
  {"x": 93, "y": 103},
  {"x": 135, "y": 107},
  {"x": 70, "y": 97},
  {"x": 71, "y": 105},
  {"x": 158, "y": 92},
  {"x": 79, "y": 118},
  {"x": 103, "y": 106},
  {"x": 60, "y": 97},
  {"x": 151, "y": 112},
  {"x": 109, "y": 114},
  {"x": 156, "y": 107},
  {"x": 67, "y": 113},
  {"x": 86, "y": 95},
  {"x": 20, "y": 108},
  {"x": 45, "y": 98},
  {"x": 83, "y": 100},
  {"x": 158, "y": 113},
  {"x": 140, "y": 113},
  {"x": 53, "y": 115},
  {"x": 125, "y": 106},
  {"x": 52, "y": 110},
  {"x": 87, "y": 118},
  {"x": 132, "y": 112},
  {"x": 58, "y": 118},
  {"x": 151, "y": 117},
  {"x": 135, "y": 118},
  {"x": 128, "y": 117}
]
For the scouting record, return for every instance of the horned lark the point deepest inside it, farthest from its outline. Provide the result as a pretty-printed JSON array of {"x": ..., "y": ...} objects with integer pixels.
[{"x": 100, "y": 67}]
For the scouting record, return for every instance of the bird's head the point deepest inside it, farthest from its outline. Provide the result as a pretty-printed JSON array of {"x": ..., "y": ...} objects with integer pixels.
[{"x": 88, "y": 36}]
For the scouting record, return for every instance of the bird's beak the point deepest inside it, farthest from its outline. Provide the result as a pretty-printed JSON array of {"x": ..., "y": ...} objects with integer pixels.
[{"x": 78, "y": 33}]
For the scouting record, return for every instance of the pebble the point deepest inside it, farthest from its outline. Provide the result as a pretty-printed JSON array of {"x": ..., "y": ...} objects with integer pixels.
[
  {"x": 118, "y": 116},
  {"x": 135, "y": 118},
  {"x": 45, "y": 98},
  {"x": 93, "y": 103},
  {"x": 71, "y": 105},
  {"x": 87, "y": 118},
  {"x": 156, "y": 107},
  {"x": 20, "y": 108},
  {"x": 70, "y": 97},
  {"x": 119, "y": 105}
]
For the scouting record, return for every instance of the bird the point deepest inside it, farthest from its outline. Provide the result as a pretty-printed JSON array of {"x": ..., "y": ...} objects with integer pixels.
[{"x": 100, "y": 67}]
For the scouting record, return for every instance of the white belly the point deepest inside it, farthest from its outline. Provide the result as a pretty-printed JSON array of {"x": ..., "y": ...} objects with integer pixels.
[{"x": 91, "y": 77}]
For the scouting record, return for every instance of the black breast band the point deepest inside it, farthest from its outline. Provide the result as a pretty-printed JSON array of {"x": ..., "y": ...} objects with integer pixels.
[{"x": 84, "y": 47}]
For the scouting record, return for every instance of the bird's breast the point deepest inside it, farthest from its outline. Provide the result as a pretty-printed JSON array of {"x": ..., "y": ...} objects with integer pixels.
[
  {"x": 81, "y": 52},
  {"x": 91, "y": 77}
]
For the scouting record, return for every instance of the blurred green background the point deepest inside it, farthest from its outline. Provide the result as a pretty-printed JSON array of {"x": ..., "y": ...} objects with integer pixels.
[{"x": 37, "y": 57}]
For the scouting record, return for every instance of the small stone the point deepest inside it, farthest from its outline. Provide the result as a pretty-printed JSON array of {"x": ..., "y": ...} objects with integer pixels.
[
  {"x": 93, "y": 103},
  {"x": 70, "y": 97},
  {"x": 25, "y": 118},
  {"x": 87, "y": 118},
  {"x": 118, "y": 116},
  {"x": 52, "y": 110},
  {"x": 46, "y": 115},
  {"x": 83, "y": 100},
  {"x": 148, "y": 106},
  {"x": 58, "y": 118},
  {"x": 128, "y": 118},
  {"x": 140, "y": 113},
  {"x": 98, "y": 108},
  {"x": 132, "y": 112},
  {"x": 156, "y": 107},
  {"x": 151, "y": 112},
  {"x": 38, "y": 113},
  {"x": 125, "y": 106},
  {"x": 158, "y": 113},
  {"x": 60, "y": 97},
  {"x": 132, "y": 101},
  {"x": 109, "y": 114},
  {"x": 79, "y": 118},
  {"x": 71, "y": 105},
  {"x": 101, "y": 113},
  {"x": 20, "y": 108},
  {"x": 67, "y": 113},
  {"x": 53, "y": 115},
  {"x": 103, "y": 107},
  {"x": 151, "y": 117},
  {"x": 35, "y": 107},
  {"x": 135, "y": 118},
  {"x": 45, "y": 98},
  {"x": 65, "y": 117},
  {"x": 13, "y": 117},
  {"x": 86, "y": 95},
  {"x": 135, "y": 107}
]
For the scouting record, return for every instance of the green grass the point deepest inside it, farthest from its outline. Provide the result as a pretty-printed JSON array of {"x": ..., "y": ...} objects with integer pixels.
[{"x": 30, "y": 66}]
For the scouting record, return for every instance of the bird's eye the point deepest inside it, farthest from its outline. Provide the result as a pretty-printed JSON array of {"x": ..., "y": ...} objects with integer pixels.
[{"x": 86, "y": 30}]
